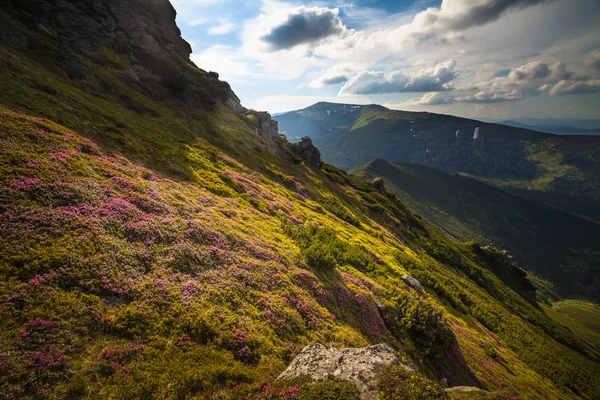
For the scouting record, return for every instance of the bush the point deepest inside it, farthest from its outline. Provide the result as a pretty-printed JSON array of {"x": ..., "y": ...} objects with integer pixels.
[
  {"x": 396, "y": 383},
  {"x": 423, "y": 323},
  {"x": 323, "y": 250}
]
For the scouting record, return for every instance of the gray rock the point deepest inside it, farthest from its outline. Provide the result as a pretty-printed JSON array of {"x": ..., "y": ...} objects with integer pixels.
[
  {"x": 143, "y": 32},
  {"x": 233, "y": 102},
  {"x": 379, "y": 185},
  {"x": 414, "y": 283},
  {"x": 292, "y": 185},
  {"x": 308, "y": 152},
  {"x": 464, "y": 389},
  {"x": 267, "y": 127},
  {"x": 356, "y": 365},
  {"x": 444, "y": 383},
  {"x": 125, "y": 26}
]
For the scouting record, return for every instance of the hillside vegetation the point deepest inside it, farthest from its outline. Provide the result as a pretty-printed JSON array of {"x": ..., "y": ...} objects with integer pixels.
[
  {"x": 563, "y": 171},
  {"x": 554, "y": 243},
  {"x": 155, "y": 246}
]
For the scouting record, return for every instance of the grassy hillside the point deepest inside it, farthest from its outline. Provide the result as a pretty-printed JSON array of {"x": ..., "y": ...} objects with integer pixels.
[
  {"x": 557, "y": 170},
  {"x": 554, "y": 243},
  {"x": 154, "y": 248}
]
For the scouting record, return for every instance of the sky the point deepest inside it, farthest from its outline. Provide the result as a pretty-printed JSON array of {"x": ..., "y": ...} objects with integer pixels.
[{"x": 473, "y": 58}]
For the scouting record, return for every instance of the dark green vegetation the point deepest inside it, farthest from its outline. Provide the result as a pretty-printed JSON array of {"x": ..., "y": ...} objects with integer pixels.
[
  {"x": 151, "y": 248},
  {"x": 554, "y": 243},
  {"x": 563, "y": 171}
]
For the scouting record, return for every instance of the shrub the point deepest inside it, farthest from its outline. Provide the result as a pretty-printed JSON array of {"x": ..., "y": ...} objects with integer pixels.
[
  {"x": 396, "y": 383},
  {"x": 423, "y": 323},
  {"x": 323, "y": 250}
]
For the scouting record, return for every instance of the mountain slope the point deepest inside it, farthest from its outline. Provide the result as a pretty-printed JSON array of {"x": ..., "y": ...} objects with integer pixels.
[
  {"x": 159, "y": 241},
  {"x": 554, "y": 243},
  {"x": 559, "y": 170}
]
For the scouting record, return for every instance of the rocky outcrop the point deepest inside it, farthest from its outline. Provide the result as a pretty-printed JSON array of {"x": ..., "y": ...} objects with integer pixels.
[
  {"x": 234, "y": 104},
  {"x": 379, "y": 184},
  {"x": 413, "y": 283},
  {"x": 358, "y": 366},
  {"x": 82, "y": 27},
  {"x": 308, "y": 152},
  {"x": 139, "y": 38},
  {"x": 267, "y": 127},
  {"x": 465, "y": 389}
]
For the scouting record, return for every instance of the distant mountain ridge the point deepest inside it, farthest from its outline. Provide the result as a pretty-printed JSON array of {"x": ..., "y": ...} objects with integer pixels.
[
  {"x": 563, "y": 171},
  {"x": 578, "y": 123},
  {"x": 554, "y": 129}
]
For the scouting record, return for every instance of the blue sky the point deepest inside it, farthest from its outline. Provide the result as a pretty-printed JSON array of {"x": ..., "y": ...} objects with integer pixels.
[{"x": 475, "y": 58}]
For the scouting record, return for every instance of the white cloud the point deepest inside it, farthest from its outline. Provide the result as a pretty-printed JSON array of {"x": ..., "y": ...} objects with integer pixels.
[
  {"x": 593, "y": 59},
  {"x": 339, "y": 73},
  {"x": 304, "y": 26},
  {"x": 432, "y": 98},
  {"x": 433, "y": 79},
  {"x": 575, "y": 87},
  {"x": 527, "y": 80},
  {"x": 227, "y": 61},
  {"x": 223, "y": 28}
]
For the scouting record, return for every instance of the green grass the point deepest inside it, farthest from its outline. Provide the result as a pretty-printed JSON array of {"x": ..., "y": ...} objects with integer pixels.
[{"x": 585, "y": 313}]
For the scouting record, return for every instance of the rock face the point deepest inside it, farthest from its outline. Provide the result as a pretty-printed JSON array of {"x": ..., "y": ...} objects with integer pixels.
[
  {"x": 84, "y": 26},
  {"x": 138, "y": 36},
  {"x": 233, "y": 103},
  {"x": 414, "y": 283},
  {"x": 308, "y": 152},
  {"x": 358, "y": 366},
  {"x": 379, "y": 184},
  {"x": 267, "y": 127}
]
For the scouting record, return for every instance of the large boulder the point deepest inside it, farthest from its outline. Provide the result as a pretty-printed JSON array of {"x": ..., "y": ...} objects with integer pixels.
[
  {"x": 308, "y": 152},
  {"x": 414, "y": 283},
  {"x": 465, "y": 389},
  {"x": 267, "y": 127},
  {"x": 356, "y": 365}
]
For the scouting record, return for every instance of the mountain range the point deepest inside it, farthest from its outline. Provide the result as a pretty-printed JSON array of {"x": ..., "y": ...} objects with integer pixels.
[
  {"x": 161, "y": 241},
  {"x": 579, "y": 124},
  {"x": 562, "y": 171},
  {"x": 554, "y": 129}
]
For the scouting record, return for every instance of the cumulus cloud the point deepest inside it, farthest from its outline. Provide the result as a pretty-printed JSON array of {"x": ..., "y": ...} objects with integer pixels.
[
  {"x": 484, "y": 96},
  {"x": 527, "y": 80},
  {"x": 339, "y": 73},
  {"x": 430, "y": 99},
  {"x": 593, "y": 59},
  {"x": 446, "y": 23},
  {"x": 433, "y": 79},
  {"x": 575, "y": 87},
  {"x": 305, "y": 25}
]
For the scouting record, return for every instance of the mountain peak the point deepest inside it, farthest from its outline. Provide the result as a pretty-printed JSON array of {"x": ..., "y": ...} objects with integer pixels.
[{"x": 337, "y": 106}]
